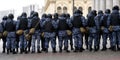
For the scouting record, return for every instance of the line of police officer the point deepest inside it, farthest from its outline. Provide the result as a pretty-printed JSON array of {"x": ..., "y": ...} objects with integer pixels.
[{"x": 25, "y": 34}]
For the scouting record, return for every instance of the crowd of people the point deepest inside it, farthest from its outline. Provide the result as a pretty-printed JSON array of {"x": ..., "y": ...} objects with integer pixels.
[{"x": 25, "y": 34}]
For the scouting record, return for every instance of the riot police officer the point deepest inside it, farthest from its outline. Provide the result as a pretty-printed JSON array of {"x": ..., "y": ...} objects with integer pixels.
[
  {"x": 10, "y": 27},
  {"x": 114, "y": 27},
  {"x": 97, "y": 19},
  {"x": 63, "y": 27},
  {"x": 104, "y": 28},
  {"x": 49, "y": 33},
  {"x": 78, "y": 22},
  {"x": 17, "y": 37},
  {"x": 22, "y": 26},
  {"x": 29, "y": 26},
  {"x": 70, "y": 36},
  {"x": 4, "y": 38},
  {"x": 35, "y": 25},
  {"x": 43, "y": 18},
  {"x": 55, "y": 19},
  {"x": 92, "y": 29}
]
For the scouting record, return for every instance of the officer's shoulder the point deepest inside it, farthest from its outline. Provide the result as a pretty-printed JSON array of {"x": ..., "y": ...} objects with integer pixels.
[{"x": 83, "y": 17}]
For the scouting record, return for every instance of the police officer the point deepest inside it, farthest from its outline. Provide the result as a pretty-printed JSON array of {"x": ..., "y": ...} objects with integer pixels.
[
  {"x": 29, "y": 26},
  {"x": 49, "y": 33},
  {"x": 104, "y": 28},
  {"x": 22, "y": 24},
  {"x": 4, "y": 38},
  {"x": 10, "y": 27},
  {"x": 87, "y": 33},
  {"x": 114, "y": 23},
  {"x": 78, "y": 22},
  {"x": 70, "y": 36},
  {"x": 92, "y": 29},
  {"x": 43, "y": 18},
  {"x": 17, "y": 37},
  {"x": 97, "y": 19},
  {"x": 63, "y": 26},
  {"x": 35, "y": 24},
  {"x": 55, "y": 19}
]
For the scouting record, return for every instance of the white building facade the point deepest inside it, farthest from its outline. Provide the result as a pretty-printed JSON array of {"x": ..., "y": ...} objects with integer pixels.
[{"x": 66, "y": 6}]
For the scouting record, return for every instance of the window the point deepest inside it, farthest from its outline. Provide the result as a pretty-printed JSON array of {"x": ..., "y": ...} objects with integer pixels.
[
  {"x": 64, "y": 9},
  {"x": 89, "y": 9},
  {"x": 59, "y": 10},
  {"x": 75, "y": 8},
  {"x": 80, "y": 8}
]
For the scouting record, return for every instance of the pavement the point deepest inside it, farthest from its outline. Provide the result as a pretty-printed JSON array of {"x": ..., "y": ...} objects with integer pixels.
[{"x": 85, "y": 55}]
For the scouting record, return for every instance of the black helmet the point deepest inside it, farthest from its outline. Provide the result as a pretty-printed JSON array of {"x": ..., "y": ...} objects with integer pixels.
[
  {"x": 107, "y": 11},
  {"x": 115, "y": 8},
  {"x": 56, "y": 15},
  {"x": 100, "y": 12},
  {"x": 78, "y": 12},
  {"x": 4, "y": 18},
  {"x": 24, "y": 14},
  {"x": 49, "y": 16},
  {"x": 44, "y": 16},
  {"x": 94, "y": 12},
  {"x": 10, "y": 16},
  {"x": 68, "y": 15},
  {"x": 35, "y": 14}
]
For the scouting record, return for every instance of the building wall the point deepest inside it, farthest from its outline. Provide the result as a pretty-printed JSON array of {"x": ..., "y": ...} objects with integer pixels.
[{"x": 86, "y": 5}]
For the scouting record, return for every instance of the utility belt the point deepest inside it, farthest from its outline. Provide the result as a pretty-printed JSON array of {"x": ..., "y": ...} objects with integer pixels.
[
  {"x": 91, "y": 29},
  {"x": 21, "y": 32},
  {"x": 114, "y": 28}
]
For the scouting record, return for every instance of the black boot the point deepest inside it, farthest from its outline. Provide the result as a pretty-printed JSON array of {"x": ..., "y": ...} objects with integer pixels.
[
  {"x": 43, "y": 49},
  {"x": 67, "y": 50},
  {"x": 25, "y": 51},
  {"x": 8, "y": 51},
  {"x": 33, "y": 52},
  {"x": 104, "y": 49},
  {"x": 90, "y": 48},
  {"x": 118, "y": 49},
  {"x": 3, "y": 50},
  {"x": 38, "y": 51},
  {"x": 21, "y": 51},
  {"x": 113, "y": 48},
  {"x": 28, "y": 49},
  {"x": 64, "y": 48},
  {"x": 87, "y": 47},
  {"x": 72, "y": 47},
  {"x": 76, "y": 49},
  {"x": 96, "y": 48},
  {"x": 81, "y": 49},
  {"x": 54, "y": 50},
  {"x": 60, "y": 49},
  {"x": 46, "y": 50},
  {"x": 14, "y": 51}
]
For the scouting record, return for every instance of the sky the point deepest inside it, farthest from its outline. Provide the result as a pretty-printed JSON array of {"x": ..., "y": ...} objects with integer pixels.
[{"x": 17, "y": 5}]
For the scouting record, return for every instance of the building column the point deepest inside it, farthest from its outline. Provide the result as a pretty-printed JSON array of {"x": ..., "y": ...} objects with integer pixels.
[
  {"x": 103, "y": 5},
  {"x": 93, "y": 4},
  {"x": 109, "y": 4},
  {"x": 116, "y": 2},
  {"x": 97, "y": 5}
]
